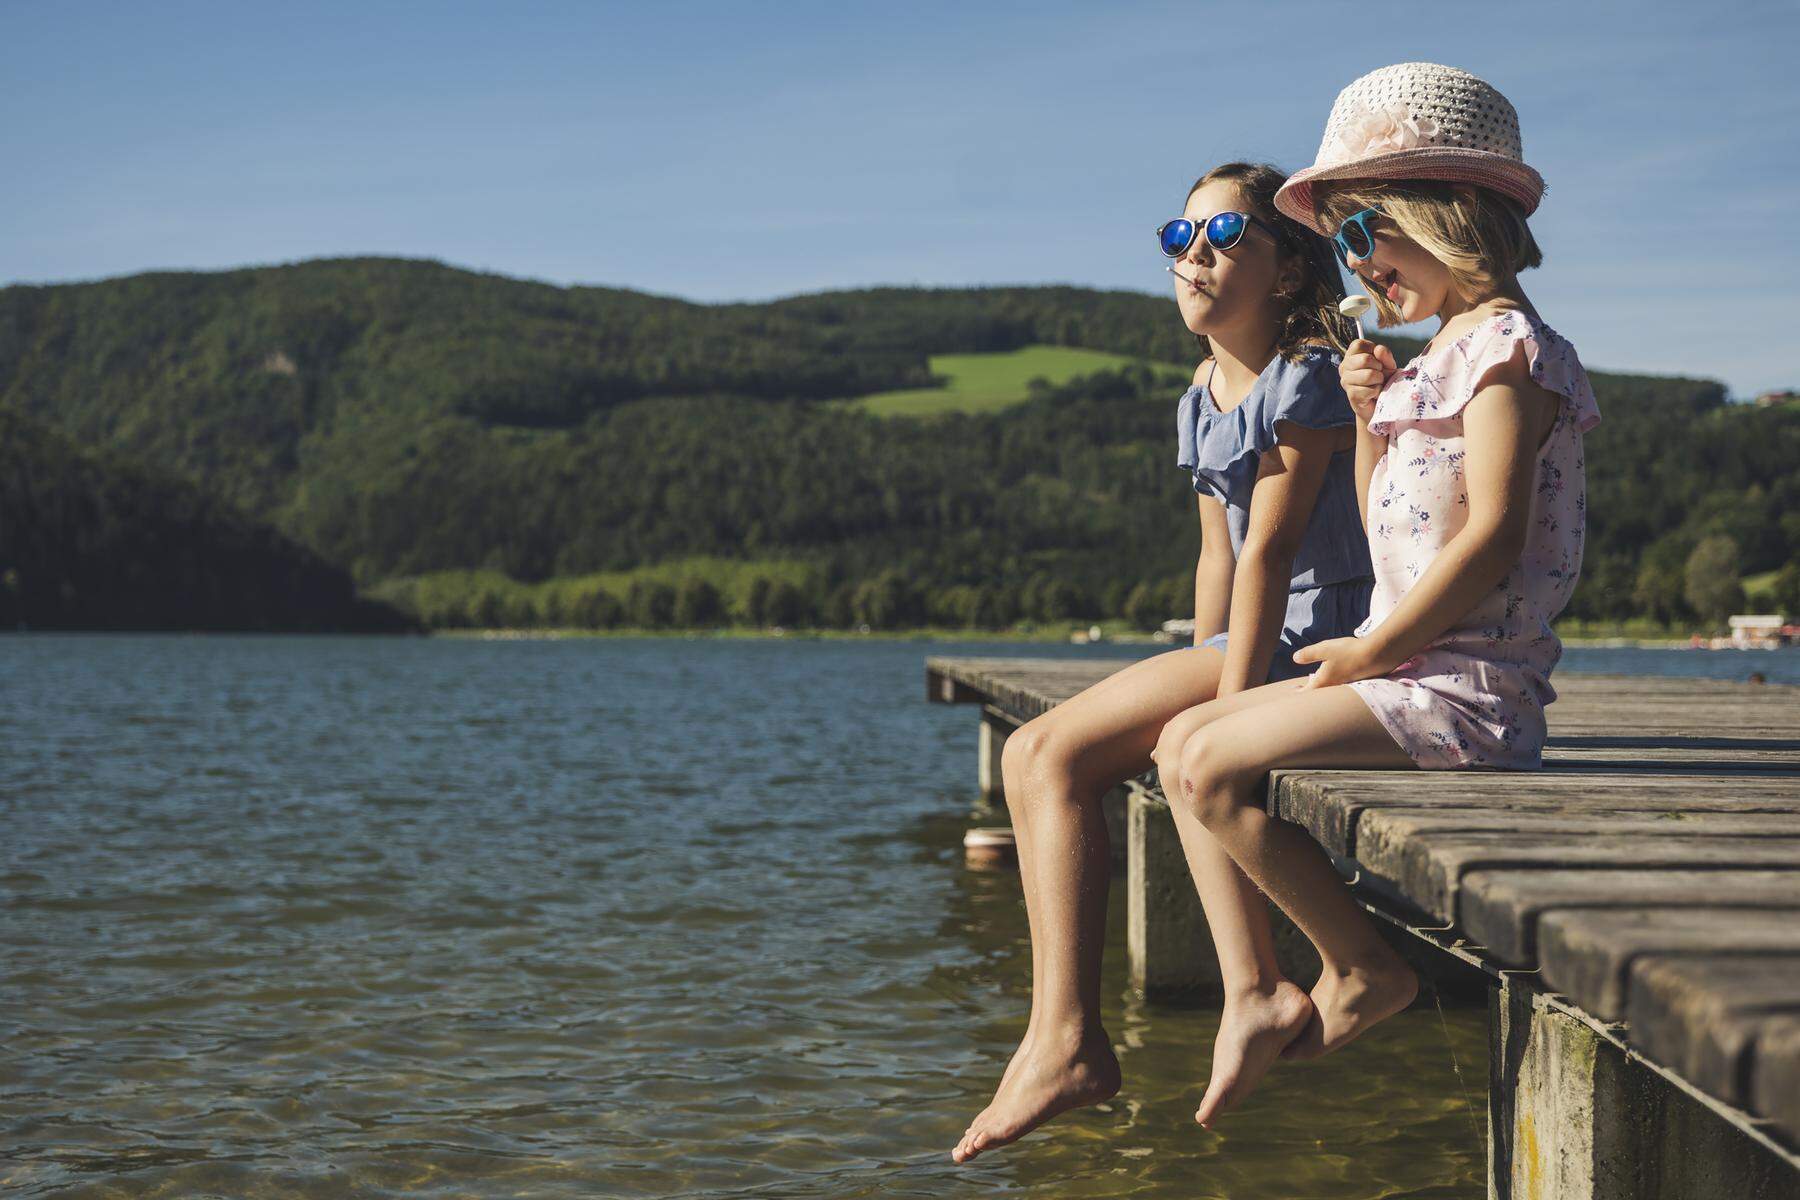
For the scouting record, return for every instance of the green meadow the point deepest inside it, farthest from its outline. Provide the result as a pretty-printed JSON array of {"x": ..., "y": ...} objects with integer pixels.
[{"x": 989, "y": 382}]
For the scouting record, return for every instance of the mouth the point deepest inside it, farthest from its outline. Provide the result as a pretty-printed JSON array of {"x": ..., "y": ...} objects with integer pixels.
[
  {"x": 1387, "y": 284},
  {"x": 1193, "y": 285}
]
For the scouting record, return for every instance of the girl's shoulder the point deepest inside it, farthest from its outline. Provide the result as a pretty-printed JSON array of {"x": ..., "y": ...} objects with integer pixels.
[
  {"x": 1439, "y": 383},
  {"x": 1305, "y": 389},
  {"x": 1222, "y": 447}
]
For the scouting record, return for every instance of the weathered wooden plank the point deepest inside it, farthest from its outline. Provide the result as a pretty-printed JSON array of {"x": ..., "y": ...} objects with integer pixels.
[
  {"x": 1726, "y": 727},
  {"x": 1328, "y": 805},
  {"x": 1024, "y": 688},
  {"x": 1499, "y": 910},
  {"x": 1775, "y": 1075},
  {"x": 1587, "y": 954},
  {"x": 1702, "y": 1016},
  {"x": 1392, "y": 825},
  {"x": 1427, "y": 871},
  {"x": 1574, "y": 690},
  {"x": 1555, "y": 781},
  {"x": 1772, "y": 758},
  {"x": 1690, "y": 737}
]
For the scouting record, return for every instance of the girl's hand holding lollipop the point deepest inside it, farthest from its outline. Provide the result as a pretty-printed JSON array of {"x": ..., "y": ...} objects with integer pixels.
[{"x": 1366, "y": 365}]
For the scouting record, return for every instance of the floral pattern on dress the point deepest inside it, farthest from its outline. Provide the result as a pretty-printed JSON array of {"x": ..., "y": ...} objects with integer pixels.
[{"x": 1475, "y": 696}]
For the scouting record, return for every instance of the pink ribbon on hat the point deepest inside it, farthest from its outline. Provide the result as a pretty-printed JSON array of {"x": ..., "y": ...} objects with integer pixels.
[{"x": 1368, "y": 131}]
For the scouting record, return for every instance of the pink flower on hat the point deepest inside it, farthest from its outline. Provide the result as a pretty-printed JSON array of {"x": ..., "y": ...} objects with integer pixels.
[{"x": 1381, "y": 130}]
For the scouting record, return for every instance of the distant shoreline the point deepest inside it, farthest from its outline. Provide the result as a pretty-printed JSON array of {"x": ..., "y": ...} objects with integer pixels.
[{"x": 1023, "y": 637}]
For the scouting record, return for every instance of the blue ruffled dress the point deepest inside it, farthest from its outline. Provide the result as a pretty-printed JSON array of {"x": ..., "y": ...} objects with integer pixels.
[{"x": 1329, "y": 594}]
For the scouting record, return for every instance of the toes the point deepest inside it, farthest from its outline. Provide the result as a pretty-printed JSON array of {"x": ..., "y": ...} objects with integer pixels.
[
  {"x": 1211, "y": 1106},
  {"x": 1220, "y": 1099},
  {"x": 973, "y": 1144},
  {"x": 974, "y": 1141}
]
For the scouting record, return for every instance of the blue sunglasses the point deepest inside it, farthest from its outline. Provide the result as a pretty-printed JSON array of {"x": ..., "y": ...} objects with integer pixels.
[
  {"x": 1223, "y": 231},
  {"x": 1354, "y": 238}
]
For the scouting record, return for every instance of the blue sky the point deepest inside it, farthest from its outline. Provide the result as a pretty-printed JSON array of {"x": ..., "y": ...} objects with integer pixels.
[{"x": 735, "y": 151}]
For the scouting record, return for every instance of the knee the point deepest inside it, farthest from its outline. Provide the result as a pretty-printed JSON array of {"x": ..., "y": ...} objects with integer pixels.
[
  {"x": 1209, "y": 778},
  {"x": 1028, "y": 748},
  {"x": 1044, "y": 757},
  {"x": 1173, "y": 741},
  {"x": 1167, "y": 757}
]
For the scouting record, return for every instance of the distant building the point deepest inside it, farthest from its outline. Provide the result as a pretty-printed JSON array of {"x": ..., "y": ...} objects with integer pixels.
[
  {"x": 1759, "y": 630},
  {"x": 1771, "y": 399}
]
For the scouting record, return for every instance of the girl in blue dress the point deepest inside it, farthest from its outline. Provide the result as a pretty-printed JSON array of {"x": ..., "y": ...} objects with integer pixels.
[{"x": 1268, "y": 436}]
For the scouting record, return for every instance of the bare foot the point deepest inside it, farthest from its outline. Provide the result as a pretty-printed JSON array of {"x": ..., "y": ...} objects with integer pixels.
[
  {"x": 1253, "y": 1029},
  {"x": 1020, "y": 1055},
  {"x": 1348, "y": 1004},
  {"x": 1042, "y": 1083}
]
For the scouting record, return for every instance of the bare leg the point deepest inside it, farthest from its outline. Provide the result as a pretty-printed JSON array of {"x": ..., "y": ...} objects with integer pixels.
[
  {"x": 1223, "y": 769},
  {"x": 1263, "y": 1011},
  {"x": 1056, "y": 770}
]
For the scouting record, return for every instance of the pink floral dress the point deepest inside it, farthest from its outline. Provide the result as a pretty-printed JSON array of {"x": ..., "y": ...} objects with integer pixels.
[{"x": 1475, "y": 696}]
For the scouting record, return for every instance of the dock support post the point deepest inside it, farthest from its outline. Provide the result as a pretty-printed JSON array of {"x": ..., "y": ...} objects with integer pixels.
[
  {"x": 994, "y": 730},
  {"x": 1571, "y": 1117},
  {"x": 1552, "y": 1117}
]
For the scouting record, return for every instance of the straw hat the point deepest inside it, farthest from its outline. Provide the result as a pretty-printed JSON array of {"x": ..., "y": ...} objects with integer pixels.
[{"x": 1418, "y": 121}]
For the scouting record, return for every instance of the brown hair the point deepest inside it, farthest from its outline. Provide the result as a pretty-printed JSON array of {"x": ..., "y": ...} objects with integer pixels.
[
  {"x": 1479, "y": 235},
  {"x": 1311, "y": 317}
]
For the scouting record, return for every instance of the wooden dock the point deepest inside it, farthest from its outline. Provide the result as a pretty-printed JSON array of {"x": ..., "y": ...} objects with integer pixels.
[{"x": 1635, "y": 906}]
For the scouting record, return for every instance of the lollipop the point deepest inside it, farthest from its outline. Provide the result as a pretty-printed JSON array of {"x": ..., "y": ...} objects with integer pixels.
[{"x": 1354, "y": 307}]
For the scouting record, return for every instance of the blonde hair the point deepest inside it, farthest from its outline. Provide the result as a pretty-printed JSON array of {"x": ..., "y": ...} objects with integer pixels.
[
  {"x": 1310, "y": 314},
  {"x": 1480, "y": 236}
]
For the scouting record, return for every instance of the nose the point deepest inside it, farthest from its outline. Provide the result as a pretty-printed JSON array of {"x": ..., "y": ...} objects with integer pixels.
[{"x": 1200, "y": 251}]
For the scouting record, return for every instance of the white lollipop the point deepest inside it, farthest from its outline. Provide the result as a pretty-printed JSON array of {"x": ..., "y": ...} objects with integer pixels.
[{"x": 1354, "y": 307}]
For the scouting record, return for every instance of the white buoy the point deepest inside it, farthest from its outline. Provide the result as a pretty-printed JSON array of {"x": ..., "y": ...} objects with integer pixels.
[
  {"x": 1354, "y": 307},
  {"x": 990, "y": 847}
]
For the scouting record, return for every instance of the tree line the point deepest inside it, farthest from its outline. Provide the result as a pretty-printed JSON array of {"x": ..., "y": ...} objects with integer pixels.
[
  {"x": 90, "y": 540},
  {"x": 475, "y": 450}
]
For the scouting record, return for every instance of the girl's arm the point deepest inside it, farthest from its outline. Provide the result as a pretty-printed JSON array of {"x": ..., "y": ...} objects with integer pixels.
[
  {"x": 1363, "y": 373},
  {"x": 1369, "y": 449},
  {"x": 1502, "y": 428},
  {"x": 1212, "y": 574},
  {"x": 1288, "y": 481}
]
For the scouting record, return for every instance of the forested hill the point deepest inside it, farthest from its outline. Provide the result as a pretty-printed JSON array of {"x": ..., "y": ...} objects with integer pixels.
[
  {"x": 404, "y": 419},
  {"x": 89, "y": 540},
  {"x": 237, "y": 377}
]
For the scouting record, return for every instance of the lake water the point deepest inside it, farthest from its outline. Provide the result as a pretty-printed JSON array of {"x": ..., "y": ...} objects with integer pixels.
[{"x": 620, "y": 918}]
